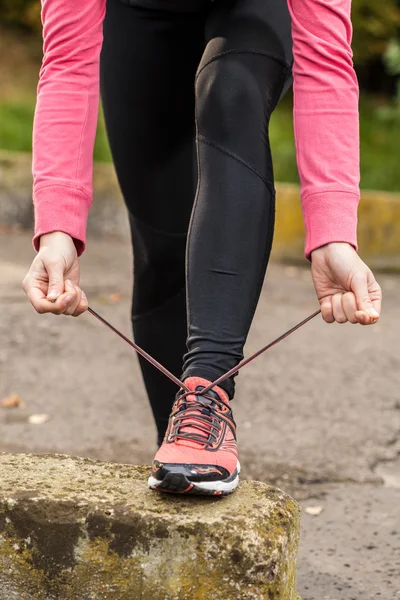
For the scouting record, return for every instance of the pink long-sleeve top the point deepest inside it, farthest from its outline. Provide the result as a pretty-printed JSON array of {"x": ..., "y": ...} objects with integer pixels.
[{"x": 325, "y": 118}]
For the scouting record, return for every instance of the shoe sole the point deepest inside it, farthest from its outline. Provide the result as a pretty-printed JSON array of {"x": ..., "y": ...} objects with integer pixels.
[{"x": 177, "y": 483}]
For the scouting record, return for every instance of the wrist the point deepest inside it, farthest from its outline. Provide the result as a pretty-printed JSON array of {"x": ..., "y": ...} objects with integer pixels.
[
  {"x": 331, "y": 247},
  {"x": 55, "y": 238}
]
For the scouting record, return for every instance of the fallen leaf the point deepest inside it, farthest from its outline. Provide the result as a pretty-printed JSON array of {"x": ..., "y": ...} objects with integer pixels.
[
  {"x": 108, "y": 298},
  {"x": 115, "y": 298},
  {"x": 38, "y": 419},
  {"x": 6, "y": 229},
  {"x": 314, "y": 510},
  {"x": 11, "y": 401}
]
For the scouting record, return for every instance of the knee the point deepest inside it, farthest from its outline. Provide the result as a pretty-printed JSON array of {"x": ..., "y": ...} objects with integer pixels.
[
  {"x": 224, "y": 88},
  {"x": 239, "y": 88}
]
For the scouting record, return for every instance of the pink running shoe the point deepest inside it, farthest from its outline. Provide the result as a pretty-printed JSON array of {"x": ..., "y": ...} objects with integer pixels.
[{"x": 199, "y": 451}]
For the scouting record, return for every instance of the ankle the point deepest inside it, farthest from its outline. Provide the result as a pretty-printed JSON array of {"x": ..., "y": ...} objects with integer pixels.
[{"x": 193, "y": 382}]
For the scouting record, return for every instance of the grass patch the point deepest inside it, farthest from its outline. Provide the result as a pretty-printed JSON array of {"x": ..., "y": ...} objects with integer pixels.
[
  {"x": 379, "y": 146},
  {"x": 379, "y": 141},
  {"x": 16, "y": 126},
  {"x": 16, "y": 119}
]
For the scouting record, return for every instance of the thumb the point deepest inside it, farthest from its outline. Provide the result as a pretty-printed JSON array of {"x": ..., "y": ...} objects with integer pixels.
[
  {"x": 364, "y": 302},
  {"x": 55, "y": 271}
]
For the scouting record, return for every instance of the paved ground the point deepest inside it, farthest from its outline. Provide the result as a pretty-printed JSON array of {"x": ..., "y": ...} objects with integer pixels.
[{"x": 319, "y": 415}]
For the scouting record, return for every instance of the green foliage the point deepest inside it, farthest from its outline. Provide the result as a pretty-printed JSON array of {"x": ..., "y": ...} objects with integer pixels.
[
  {"x": 379, "y": 141},
  {"x": 376, "y": 25},
  {"x": 379, "y": 146},
  {"x": 375, "y": 22},
  {"x": 16, "y": 126},
  {"x": 391, "y": 112},
  {"x": 21, "y": 13},
  {"x": 16, "y": 120},
  {"x": 392, "y": 57}
]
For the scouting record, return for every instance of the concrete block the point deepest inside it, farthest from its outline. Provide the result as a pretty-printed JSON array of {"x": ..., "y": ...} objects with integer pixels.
[{"x": 76, "y": 529}]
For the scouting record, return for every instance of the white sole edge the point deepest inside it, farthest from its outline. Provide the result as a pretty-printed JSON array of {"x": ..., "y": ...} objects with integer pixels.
[{"x": 218, "y": 486}]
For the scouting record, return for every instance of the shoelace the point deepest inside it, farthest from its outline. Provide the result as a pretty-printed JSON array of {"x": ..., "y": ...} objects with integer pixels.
[
  {"x": 202, "y": 414},
  {"x": 218, "y": 381}
]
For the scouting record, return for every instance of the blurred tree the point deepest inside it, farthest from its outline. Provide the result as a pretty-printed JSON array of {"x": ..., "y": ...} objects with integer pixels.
[
  {"x": 375, "y": 23},
  {"x": 391, "y": 58},
  {"x": 21, "y": 13}
]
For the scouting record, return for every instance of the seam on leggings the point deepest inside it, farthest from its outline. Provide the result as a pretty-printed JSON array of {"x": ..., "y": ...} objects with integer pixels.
[
  {"x": 244, "y": 51},
  {"x": 229, "y": 385},
  {"x": 269, "y": 185},
  {"x": 155, "y": 229},
  {"x": 271, "y": 218},
  {"x": 149, "y": 313},
  {"x": 189, "y": 232}
]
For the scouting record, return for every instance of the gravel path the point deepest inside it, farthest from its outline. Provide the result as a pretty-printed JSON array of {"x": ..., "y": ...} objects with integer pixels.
[{"x": 318, "y": 415}]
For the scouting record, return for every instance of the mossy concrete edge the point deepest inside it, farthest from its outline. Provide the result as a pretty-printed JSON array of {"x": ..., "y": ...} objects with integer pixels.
[{"x": 75, "y": 528}]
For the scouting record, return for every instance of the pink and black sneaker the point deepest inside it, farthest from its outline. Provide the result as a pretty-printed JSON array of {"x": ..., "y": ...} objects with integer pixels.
[{"x": 199, "y": 452}]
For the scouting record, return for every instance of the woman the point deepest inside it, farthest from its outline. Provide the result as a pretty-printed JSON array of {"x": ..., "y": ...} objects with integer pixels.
[{"x": 175, "y": 71}]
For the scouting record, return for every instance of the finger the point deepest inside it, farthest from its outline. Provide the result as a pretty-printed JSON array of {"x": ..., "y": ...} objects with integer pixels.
[
  {"x": 75, "y": 292},
  {"x": 377, "y": 304},
  {"x": 83, "y": 306},
  {"x": 40, "y": 303},
  {"x": 338, "y": 311},
  {"x": 36, "y": 298},
  {"x": 363, "y": 318},
  {"x": 349, "y": 304},
  {"x": 375, "y": 293},
  {"x": 364, "y": 302},
  {"x": 55, "y": 271},
  {"x": 62, "y": 303},
  {"x": 326, "y": 309}
]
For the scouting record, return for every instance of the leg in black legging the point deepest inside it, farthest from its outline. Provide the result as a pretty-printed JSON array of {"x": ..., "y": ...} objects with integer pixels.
[
  {"x": 148, "y": 67},
  {"x": 149, "y": 61},
  {"x": 243, "y": 72}
]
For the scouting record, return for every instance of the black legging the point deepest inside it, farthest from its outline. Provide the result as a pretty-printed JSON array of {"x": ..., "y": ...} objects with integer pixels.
[{"x": 181, "y": 75}]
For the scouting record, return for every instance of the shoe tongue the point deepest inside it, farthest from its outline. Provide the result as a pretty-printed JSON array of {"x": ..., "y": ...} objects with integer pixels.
[{"x": 191, "y": 400}]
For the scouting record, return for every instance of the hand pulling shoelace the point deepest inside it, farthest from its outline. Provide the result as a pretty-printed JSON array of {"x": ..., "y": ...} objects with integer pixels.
[{"x": 228, "y": 374}]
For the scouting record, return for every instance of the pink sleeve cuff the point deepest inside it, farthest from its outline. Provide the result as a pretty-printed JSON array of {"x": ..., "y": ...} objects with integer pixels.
[
  {"x": 61, "y": 207},
  {"x": 330, "y": 217}
]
